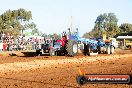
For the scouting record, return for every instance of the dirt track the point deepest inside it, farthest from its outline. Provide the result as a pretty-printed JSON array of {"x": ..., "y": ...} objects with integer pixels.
[{"x": 61, "y": 72}]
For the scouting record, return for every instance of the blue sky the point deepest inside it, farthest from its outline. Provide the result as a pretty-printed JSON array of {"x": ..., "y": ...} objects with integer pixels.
[{"x": 55, "y": 15}]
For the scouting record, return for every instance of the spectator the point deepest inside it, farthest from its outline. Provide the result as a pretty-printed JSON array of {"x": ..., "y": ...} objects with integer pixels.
[
  {"x": 4, "y": 46},
  {"x": 1, "y": 46}
]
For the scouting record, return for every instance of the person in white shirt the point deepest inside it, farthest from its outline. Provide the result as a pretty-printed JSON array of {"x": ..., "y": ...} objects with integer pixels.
[{"x": 1, "y": 46}]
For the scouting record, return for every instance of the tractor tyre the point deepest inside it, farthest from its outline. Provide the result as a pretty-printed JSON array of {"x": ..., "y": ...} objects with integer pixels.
[
  {"x": 129, "y": 47},
  {"x": 99, "y": 49},
  {"x": 89, "y": 50},
  {"x": 51, "y": 52},
  {"x": 112, "y": 49},
  {"x": 108, "y": 50},
  {"x": 38, "y": 52},
  {"x": 71, "y": 48},
  {"x": 104, "y": 50}
]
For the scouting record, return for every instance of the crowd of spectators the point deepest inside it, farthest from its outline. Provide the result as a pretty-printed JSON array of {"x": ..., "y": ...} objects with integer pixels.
[{"x": 11, "y": 43}]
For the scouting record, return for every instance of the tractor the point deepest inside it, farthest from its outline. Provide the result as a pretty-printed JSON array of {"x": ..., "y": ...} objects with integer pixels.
[
  {"x": 65, "y": 46},
  {"x": 71, "y": 43}
]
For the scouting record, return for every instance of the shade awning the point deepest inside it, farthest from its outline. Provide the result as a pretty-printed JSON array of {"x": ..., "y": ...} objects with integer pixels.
[{"x": 124, "y": 37}]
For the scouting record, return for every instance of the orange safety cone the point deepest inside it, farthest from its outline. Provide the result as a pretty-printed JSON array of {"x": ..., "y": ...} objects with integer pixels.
[{"x": 81, "y": 72}]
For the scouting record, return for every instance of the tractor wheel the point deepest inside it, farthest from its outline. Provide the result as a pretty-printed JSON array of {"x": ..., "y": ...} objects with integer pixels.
[
  {"x": 108, "y": 50},
  {"x": 38, "y": 52},
  {"x": 71, "y": 48},
  {"x": 51, "y": 52},
  {"x": 129, "y": 47},
  {"x": 104, "y": 50},
  {"x": 89, "y": 50},
  {"x": 99, "y": 49},
  {"x": 112, "y": 50}
]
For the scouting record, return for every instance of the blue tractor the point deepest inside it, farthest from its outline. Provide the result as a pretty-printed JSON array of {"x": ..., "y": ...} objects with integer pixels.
[{"x": 93, "y": 45}]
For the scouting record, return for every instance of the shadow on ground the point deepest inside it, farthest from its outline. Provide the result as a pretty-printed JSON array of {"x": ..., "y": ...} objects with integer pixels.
[{"x": 32, "y": 54}]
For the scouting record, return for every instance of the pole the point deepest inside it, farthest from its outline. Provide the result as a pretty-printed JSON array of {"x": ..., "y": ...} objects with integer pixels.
[{"x": 71, "y": 23}]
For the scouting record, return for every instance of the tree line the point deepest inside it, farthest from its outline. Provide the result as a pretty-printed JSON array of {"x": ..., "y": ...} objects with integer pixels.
[
  {"x": 16, "y": 21},
  {"x": 107, "y": 24}
]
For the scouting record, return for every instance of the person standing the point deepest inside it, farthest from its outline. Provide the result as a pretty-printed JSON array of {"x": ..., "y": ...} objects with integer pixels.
[
  {"x": 1, "y": 46},
  {"x": 4, "y": 46}
]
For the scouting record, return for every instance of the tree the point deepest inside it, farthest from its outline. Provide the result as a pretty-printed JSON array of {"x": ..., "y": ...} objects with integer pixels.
[
  {"x": 14, "y": 21},
  {"x": 105, "y": 23},
  {"x": 24, "y": 16},
  {"x": 35, "y": 31},
  {"x": 32, "y": 26},
  {"x": 111, "y": 27},
  {"x": 125, "y": 27}
]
